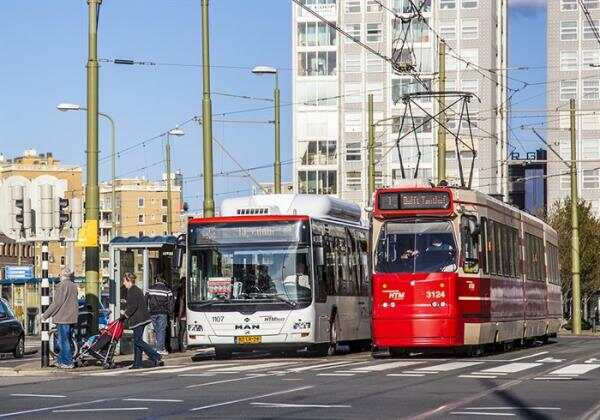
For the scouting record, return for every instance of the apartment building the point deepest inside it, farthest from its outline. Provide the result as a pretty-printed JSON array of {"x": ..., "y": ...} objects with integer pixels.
[
  {"x": 32, "y": 165},
  {"x": 574, "y": 73},
  {"x": 333, "y": 76},
  {"x": 141, "y": 210}
]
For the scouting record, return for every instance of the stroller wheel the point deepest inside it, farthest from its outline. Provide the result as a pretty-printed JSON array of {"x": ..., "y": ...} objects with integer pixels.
[{"x": 108, "y": 365}]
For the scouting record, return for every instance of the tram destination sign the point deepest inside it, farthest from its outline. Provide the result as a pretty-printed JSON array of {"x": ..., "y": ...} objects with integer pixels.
[
  {"x": 414, "y": 200},
  {"x": 220, "y": 233}
]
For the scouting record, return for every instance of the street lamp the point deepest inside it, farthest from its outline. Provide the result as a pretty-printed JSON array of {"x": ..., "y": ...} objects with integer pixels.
[
  {"x": 173, "y": 132},
  {"x": 64, "y": 107},
  {"x": 262, "y": 70}
]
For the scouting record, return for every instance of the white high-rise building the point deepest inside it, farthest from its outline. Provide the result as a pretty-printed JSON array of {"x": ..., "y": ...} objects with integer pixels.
[
  {"x": 333, "y": 76},
  {"x": 573, "y": 73}
]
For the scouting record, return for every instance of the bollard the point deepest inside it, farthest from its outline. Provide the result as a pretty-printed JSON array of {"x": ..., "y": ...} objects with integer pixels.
[{"x": 45, "y": 303}]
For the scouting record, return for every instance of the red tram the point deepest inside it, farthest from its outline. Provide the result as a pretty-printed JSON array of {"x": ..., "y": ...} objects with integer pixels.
[{"x": 457, "y": 268}]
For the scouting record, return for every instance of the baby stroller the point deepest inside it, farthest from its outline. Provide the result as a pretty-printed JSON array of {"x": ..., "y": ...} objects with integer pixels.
[{"x": 102, "y": 346}]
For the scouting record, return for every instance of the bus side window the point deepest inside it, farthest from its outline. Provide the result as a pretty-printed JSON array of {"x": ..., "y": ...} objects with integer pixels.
[
  {"x": 320, "y": 275},
  {"x": 330, "y": 264},
  {"x": 470, "y": 244}
]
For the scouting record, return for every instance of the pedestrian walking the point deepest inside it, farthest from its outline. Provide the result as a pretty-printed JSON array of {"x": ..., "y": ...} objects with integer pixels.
[
  {"x": 64, "y": 311},
  {"x": 160, "y": 302},
  {"x": 137, "y": 317},
  {"x": 181, "y": 314}
]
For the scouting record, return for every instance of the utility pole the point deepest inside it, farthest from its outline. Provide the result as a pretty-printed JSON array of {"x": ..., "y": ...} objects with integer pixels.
[
  {"x": 209, "y": 203},
  {"x": 371, "y": 150},
  {"x": 92, "y": 191},
  {"x": 576, "y": 287},
  {"x": 277, "y": 174},
  {"x": 441, "y": 163}
]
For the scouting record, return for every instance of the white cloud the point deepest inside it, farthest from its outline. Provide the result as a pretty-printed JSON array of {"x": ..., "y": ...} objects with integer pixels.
[{"x": 527, "y": 3}]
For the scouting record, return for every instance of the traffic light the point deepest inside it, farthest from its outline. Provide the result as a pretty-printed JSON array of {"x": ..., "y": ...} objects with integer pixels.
[
  {"x": 16, "y": 200},
  {"x": 60, "y": 216},
  {"x": 19, "y": 214}
]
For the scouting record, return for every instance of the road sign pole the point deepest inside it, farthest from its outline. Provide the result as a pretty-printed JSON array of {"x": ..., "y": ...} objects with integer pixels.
[{"x": 45, "y": 303}]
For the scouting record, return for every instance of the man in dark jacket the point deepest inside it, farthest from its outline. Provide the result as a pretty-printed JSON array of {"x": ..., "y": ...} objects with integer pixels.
[
  {"x": 137, "y": 318},
  {"x": 64, "y": 311},
  {"x": 159, "y": 301}
]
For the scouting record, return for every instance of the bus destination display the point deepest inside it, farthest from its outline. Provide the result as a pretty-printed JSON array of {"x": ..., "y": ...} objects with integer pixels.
[
  {"x": 414, "y": 200},
  {"x": 246, "y": 233}
]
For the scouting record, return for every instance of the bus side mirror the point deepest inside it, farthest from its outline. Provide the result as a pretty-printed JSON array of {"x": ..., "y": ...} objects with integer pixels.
[
  {"x": 319, "y": 256},
  {"x": 179, "y": 252}
]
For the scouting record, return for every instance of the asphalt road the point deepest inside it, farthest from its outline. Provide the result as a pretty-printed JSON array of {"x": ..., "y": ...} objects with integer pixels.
[{"x": 556, "y": 381}]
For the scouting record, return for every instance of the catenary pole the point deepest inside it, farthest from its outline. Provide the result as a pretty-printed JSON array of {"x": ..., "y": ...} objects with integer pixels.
[
  {"x": 209, "y": 203},
  {"x": 575, "y": 269},
  {"x": 441, "y": 161},
  {"x": 371, "y": 156}
]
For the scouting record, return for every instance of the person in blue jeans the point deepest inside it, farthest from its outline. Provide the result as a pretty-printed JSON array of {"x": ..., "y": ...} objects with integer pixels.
[
  {"x": 137, "y": 317},
  {"x": 64, "y": 311},
  {"x": 160, "y": 302}
]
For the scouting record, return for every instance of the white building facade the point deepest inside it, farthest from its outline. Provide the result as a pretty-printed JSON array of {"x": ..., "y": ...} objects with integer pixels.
[{"x": 333, "y": 76}]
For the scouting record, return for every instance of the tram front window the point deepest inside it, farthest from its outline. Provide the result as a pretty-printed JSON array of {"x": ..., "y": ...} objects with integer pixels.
[
  {"x": 250, "y": 273},
  {"x": 416, "y": 247}
]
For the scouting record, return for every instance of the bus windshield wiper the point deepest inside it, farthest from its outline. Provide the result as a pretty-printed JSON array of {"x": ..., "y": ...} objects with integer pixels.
[
  {"x": 212, "y": 302},
  {"x": 283, "y": 299}
]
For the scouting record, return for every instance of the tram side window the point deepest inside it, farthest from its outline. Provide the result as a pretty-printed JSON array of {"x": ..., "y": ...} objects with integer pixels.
[
  {"x": 470, "y": 244},
  {"x": 498, "y": 248},
  {"x": 483, "y": 246},
  {"x": 365, "y": 285},
  {"x": 491, "y": 247},
  {"x": 506, "y": 251},
  {"x": 534, "y": 253},
  {"x": 516, "y": 254}
]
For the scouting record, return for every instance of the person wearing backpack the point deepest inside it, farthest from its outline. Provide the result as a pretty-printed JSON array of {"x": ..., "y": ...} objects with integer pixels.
[{"x": 160, "y": 303}]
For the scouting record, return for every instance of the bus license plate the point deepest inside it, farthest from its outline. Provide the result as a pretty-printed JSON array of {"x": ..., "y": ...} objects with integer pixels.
[{"x": 249, "y": 339}]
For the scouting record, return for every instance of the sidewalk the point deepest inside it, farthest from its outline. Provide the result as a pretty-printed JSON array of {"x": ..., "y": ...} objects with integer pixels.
[{"x": 32, "y": 367}]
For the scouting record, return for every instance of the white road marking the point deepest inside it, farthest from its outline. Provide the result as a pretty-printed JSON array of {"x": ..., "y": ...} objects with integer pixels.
[
  {"x": 481, "y": 413},
  {"x": 37, "y": 410},
  {"x": 257, "y": 397},
  {"x": 186, "y": 369},
  {"x": 38, "y": 395},
  {"x": 478, "y": 376},
  {"x": 292, "y": 379},
  {"x": 196, "y": 374},
  {"x": 510, "y": 368},
  {"x": 411, "y": 375},
  {"x": 335, "y": 374},
  {"x": 350, "y": 364},
  {"x": 151, "y": 400},
  {"x": 514, "y": 408},
  {"x": 86, "y": 410},
  {"x": 550, "y": 360},
  {"x": 281, "y": 405},
  {"x": 592, "y": 360},
  {"x": 446, "y": 367},
  {"x": 244, "y": 368},
  {"x": 565, "y": 378},
  {"x": 228, "y": 380},
  {"x": 317, "y": 367},
  {"x": 384, "y": 366},
  {"x": 527, "y": 357},
  {"x": 575, "y": 369},
  {"x": 130, "y": 371}
]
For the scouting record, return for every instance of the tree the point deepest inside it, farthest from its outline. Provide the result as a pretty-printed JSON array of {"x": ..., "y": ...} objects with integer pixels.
[{"x": 589, "y": 244}]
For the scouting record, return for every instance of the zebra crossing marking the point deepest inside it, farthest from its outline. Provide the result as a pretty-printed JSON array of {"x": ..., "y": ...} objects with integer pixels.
[
  {"x": 575, "y": 369},
  {"x": 384, "y": 366}
]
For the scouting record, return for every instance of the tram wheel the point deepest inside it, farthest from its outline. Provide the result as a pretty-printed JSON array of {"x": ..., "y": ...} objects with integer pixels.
[{"x": 396, "y": 352}]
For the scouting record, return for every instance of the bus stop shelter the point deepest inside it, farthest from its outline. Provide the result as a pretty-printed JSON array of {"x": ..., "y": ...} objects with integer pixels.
[{"x": 146, "y": 257}]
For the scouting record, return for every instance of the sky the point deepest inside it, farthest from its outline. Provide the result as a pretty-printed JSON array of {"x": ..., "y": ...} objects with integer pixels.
[{"x": 42, "y": 63}]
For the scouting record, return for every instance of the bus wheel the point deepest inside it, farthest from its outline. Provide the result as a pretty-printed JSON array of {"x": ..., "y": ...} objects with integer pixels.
[{"x": 222, "y": 354}]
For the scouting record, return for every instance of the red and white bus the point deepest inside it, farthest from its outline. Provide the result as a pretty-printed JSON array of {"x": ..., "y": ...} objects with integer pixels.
[
  {"x": 280, "y": 273},
  {"x": 456, "y": 268}
]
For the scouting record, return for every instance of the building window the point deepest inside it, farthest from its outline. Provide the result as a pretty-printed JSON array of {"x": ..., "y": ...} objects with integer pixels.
[
  {"x": 471, "y": 86},
  {"x": 568, "y": 5},
  {"x": 374, "y": 64},
  {"x": 353, "y": 63},
  {"x": 588, "y": 30},
  {"x": 354, "y": 31},
  {"x": 353, "y": 122},
  {"x": 406, "y": 85},
  {"x": 448, "y": 29},
  {"x": 353, "y": 93},
  {"x": 591, "y": 179},
  {"x": 62, "y": 261},
  {"x": 322, "y": 152},
  {"x": 164, "y": 218},
  {"x": 353, "y": 181},
  {"x": 376, "y": 89},
  {"x": 591, "y": 90},
  {"x": 374, "y": 33},
  {"x": 353, "y": 151},
  {"x": 141, "y": 218},
  {"x": 590, "y": 58},
  {"x": 317, "y": 63},
  {"x": 373, "y": 6},
  {"x": 317, "y": 182},
  {"x": 591, "y": 149},
  {"x": 469, "y": 28},
  {"x": 164, "y": 202},
  {"x": 312, "y": 34},
  {"x": 469, "y": 4},
  {"x": 568, "y": 60},
  {"x": 447, "y": 4},
  {"x": 353, "y": 6},
  {"x": 141, "y": 202},
  {"x": 568, "y": 89},
  {"x": 568, "y": 30},
  {"x": 592, "y": 4}
]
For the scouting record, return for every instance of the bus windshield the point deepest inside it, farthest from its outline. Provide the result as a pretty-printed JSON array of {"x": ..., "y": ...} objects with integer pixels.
[
  {"x": 246, "y": 273},
  {"x": 416, "y": 247}
]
